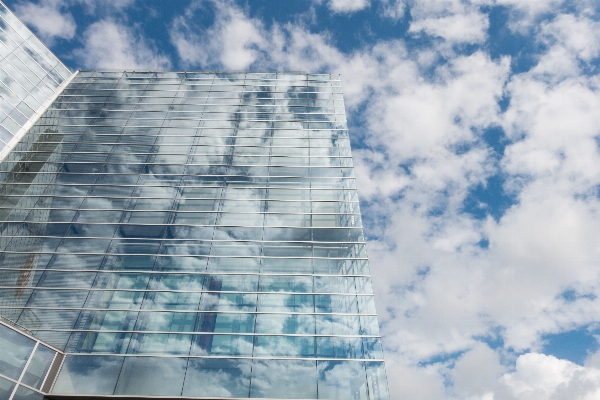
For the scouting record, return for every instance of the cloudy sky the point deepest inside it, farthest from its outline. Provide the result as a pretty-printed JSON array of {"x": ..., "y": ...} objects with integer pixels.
[{"x": 476, "y": 139}]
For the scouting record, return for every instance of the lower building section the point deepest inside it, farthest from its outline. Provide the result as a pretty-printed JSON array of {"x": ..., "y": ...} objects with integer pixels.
[
  {"x": 29, "y": 369},
  {"x": 27, "y": 366},
  {"x": 219, "y": 378}
]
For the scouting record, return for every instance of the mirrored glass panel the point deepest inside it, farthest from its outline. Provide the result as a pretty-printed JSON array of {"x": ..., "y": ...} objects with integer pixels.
[
  {"x": 181, "y": 233},
  {"x": 217, "y": 378},
  {"x": 38, "y": 367},
  {"x": 293, "y": 380},
  {"x": 88, "y": 375},
  {"x": 151, "y": 376},
  {"x": 30, "y": 75},
  {"x": 16, "y": 349}
]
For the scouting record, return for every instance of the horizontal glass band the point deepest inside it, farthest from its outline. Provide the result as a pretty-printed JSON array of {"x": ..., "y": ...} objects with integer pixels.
[
  {"x": 316, "y": 128},
  {"x": 156, "y": 210},
  {"x": 230, "y": 199},
  {"x": 151, "y": 90},
  {"x": 81, "y": 79},
  {"x": 134, "y": 241},
  {"x": 236, "y": 155},
  {"x": 228, "y": 225},
  {"x": 126, "y": 134},
  {"x": 95, "y": 106},
  {"x": 259, "y": 186},
  {"x": 162, "y": 272},
  {"x": 188, "y": 185},
  {"x": 75, "y": 95},
  {"x": 195, "y": 147},
  {"x": 81, "y": 82},
  {"x": 349, "y": 360},
  {"x": 178, "y": 311},
  {"x": 96, "y": 289},
  {"x": 207, "y": 333},
  {"x": 172, "y": 164},
  {"x": 172, "y": 110},
  {"x": 199, "y": 115}
]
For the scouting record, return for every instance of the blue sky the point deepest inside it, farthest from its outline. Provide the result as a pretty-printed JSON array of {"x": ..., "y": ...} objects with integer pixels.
[{"x": 476, "y": 137}]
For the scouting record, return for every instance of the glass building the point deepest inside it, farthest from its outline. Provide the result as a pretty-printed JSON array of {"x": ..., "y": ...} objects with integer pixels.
[
  {"x": 30, "y": 77},
  {"x": 185, "y": 234}
]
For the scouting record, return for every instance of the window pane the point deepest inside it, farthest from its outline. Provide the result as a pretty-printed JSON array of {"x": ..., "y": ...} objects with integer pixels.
[
  {"x": 23, "y": 393},
  {"x": 284, "y": 379},
  {"x": 377, "y": 381},
  {"x": 284, "y": 346},
  {"x": 152, "y": 376},
  {"x": 222, "y": 345},
  {"x": 88, "y": 375},
  {"x": 342, "y": 380},
  {"x": 38, "y": 366},
  {"x": 15, "y": 349},
  {"x": 6, "y": 388},
  {"x": 218, "y": 378}
]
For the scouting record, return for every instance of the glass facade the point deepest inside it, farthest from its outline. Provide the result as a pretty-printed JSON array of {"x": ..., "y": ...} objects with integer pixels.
[
  {"x": 29, "y": 75},
  {"x": 25, "y": 365},
  {"x": 194, "y": 235}
]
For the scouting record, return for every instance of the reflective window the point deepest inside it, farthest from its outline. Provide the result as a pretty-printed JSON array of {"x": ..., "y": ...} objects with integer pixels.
[
  {"x": 293, "y": 380},
  {"x": 342, "y": 380},
  {"x": 217, "y": 378},
  {"x": 29, "y": 75},
  {"x": 6, "y": 388},
  {"x": 186, "y": 234},
  {"x": 38, "y": 367},
  {"x": 88, "y": 375},
  {"x": 151, "y": 377},
  {"x": 16, "y": 349},
  {"x": 23, "y": 393}
]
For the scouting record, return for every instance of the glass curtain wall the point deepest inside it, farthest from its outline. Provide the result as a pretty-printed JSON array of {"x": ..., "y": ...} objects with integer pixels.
[
  {"x": 195, "y": 235},
  {"x": 25, "y": 366},
  {"x": 29, "y": 75}
]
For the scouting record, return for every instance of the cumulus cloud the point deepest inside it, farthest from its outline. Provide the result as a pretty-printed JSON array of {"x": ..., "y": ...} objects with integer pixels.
[
  {"x": 538, "y": 376},
  {"x": 345, "y": 6},
  {"x": 394, "y": 9},
  {"x": 109, "y": 44},
  {"x": 232, "y": 42},
  {"x": 454, "y": 21},
  {"x": 525, "y": 13},
  {"x": 47, "y": 19},
  {"x": 236, "y": 41},
  {"x": 469, "y": 28},
  {"x": 95, "y": 7}
]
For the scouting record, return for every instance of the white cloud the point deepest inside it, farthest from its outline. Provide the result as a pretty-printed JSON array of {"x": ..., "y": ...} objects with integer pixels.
[
  {"x": 344, "y": 6},
  {"x": 469, "y": 28},
  {"x": 233, "y": 41},
  {"x": 538, "y": 376},
  {"x": 410, "y": 382},
  {"x": 525, "y": 13},
  {"x": 578, "y": 35},
  {"x": 95, "y": 7},
  {"x": 476, "y": 372},
  {"x": 109, "y": 44},
  {"x": 47, "y": 19},
  {"x": 452, "y": 20},
  {"x": 393, "y": 9}
]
